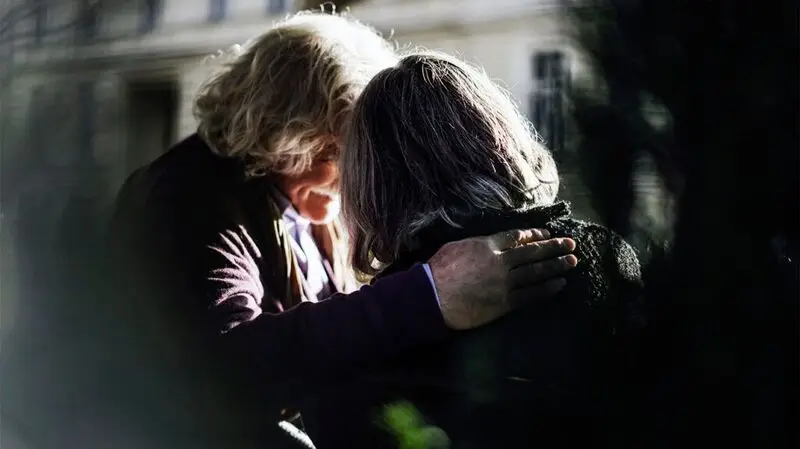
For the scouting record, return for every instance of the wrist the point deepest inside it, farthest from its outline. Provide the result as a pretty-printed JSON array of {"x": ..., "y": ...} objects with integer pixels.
[
  {"x": 442, "y": 274},
  {"x": 428, "y": 272},
  {"x": 428, "y": 306}
]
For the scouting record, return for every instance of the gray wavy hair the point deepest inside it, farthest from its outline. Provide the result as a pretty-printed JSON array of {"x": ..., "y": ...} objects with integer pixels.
[
  {"x": 434, "y": 139},
  {"x": 282, "y": 102}
]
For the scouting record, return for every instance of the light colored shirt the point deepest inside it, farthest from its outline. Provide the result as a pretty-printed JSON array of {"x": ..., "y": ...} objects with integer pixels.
[
  {"x": 428, "y": 271},
  {"x": 309, "y": 258}
]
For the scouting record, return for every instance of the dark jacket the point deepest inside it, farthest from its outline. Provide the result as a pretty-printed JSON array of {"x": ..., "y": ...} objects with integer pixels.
[
  {"x": 203, "y": 263},
  {"x": 545, "y": 376}
]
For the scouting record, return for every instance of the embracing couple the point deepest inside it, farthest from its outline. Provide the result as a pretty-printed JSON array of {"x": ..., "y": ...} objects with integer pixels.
[{"x": 479, "y": 309}]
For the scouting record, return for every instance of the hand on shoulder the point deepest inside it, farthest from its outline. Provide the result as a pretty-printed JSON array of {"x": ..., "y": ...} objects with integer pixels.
[{"x": 480, "y": 279}]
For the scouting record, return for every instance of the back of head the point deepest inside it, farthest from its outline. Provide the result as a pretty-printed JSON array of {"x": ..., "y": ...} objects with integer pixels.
[
  {"x": 434, "y": 139},
  {"x": 283, "y": 101}
]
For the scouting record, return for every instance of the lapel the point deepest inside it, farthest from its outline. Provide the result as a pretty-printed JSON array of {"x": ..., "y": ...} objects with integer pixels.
[
  {"x": 332, "y": 243},
  {"x": 283, "y": 275},
  {"x": 280, "y": 272}
]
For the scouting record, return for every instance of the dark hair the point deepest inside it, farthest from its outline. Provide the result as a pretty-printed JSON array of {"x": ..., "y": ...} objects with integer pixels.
[{"x": 433, "y": 138}]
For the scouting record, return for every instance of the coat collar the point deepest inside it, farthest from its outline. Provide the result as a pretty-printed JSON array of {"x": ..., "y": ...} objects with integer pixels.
[{"x": 438, "y": 234}]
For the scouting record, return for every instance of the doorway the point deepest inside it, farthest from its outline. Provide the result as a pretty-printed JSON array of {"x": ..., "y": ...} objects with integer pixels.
[{"x": 152, "y": 116}]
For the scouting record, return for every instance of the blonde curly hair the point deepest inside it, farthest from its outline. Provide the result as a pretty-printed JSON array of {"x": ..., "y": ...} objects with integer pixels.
[{"x": 283, "y": 101}]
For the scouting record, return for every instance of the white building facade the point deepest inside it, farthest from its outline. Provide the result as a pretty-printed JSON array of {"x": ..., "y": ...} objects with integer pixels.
[
  {"x": 130, "y": 68},
  {"x": 92, "y": 89}
]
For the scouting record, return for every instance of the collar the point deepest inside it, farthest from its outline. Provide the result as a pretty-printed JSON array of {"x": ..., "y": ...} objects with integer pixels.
[
  {"x": 290, "y": 214},
  {"x": 438, "y": 234}
]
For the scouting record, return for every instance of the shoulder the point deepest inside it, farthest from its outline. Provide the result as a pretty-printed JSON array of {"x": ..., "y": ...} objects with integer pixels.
[
  {"x": 186, "y": 173},
  {"x": 188, "y": 191},
  {"x": 189, "y": 163},
  {"x": 610, "y": 264},
  {"x": 597, "y": 241}
]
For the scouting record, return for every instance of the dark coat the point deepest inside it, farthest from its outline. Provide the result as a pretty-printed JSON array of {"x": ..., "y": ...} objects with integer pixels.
[
  {"x": 544, "y": 376},
  {"x": 222, "y": 337}
]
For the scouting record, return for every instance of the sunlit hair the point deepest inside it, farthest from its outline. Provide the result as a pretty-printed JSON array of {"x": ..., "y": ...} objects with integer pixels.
[
  {"x": 283, "y": 100},
  {"x": 434, "y": 139}
]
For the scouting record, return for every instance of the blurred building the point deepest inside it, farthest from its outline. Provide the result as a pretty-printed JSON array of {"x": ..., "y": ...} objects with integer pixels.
[{"x": 92, "y": 89}]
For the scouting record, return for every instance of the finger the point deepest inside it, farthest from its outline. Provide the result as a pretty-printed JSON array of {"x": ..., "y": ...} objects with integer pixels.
[
  {"x": 530, "y": 235},
  {"x": 536, "y": 273},
  {"x": 511, "y": 239},
  {"x": 537, "y": 251},
  {"x": 522, "y": 296}
]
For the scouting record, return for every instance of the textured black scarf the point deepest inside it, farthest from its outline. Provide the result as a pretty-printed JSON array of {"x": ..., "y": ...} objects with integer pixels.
[{"x": 438, "y": 234}]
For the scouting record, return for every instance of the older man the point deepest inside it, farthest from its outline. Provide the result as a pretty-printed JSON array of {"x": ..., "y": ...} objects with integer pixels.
[{"x": 234, "y": 231}]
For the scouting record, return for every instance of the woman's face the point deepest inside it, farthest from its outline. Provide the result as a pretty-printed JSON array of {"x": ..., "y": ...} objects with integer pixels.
[{"x": 315, "y": 193}]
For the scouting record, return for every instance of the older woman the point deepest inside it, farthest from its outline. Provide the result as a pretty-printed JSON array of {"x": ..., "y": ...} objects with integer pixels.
[
  {"x": 436, "y": 152},
  {"x": 231, "y": 238}
]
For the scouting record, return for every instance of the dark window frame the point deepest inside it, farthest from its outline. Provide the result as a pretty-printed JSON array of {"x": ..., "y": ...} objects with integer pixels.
[
  {"x": 87, "y": 29},
  {"x": 276, "y": 7},
  {"x": 40, "y": 23},
  {"x": 217, "y": 10},
  {"x": 551, "y": 72},
  {"x": 150, "y": 15}
]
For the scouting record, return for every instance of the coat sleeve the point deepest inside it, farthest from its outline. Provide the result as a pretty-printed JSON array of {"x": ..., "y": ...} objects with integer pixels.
[{"x": 311, "y": 341}]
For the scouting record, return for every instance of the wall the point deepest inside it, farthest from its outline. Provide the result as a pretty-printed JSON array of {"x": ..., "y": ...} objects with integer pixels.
[{"x": 518, "y": 37}]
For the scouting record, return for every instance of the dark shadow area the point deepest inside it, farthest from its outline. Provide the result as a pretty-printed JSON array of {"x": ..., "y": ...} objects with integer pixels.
[
  {"x": 61, "y": 364},
  {"x": 152, "y": 110},
  {"x": 719, "y": 364}
]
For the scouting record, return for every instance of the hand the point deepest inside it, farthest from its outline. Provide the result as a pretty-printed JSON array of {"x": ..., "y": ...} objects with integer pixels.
[{"x": 482, "y": 278}]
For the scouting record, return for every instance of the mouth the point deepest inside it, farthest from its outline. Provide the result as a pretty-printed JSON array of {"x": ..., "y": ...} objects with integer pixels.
[{"x": 325, "y": 193}]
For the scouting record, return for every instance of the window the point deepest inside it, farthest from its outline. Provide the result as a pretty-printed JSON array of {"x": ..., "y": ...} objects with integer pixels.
[
  {"x": 547, "y": 101},
  {"x": 217, "y": 10},
  {"x": 276, "y": 7},
  {"x": 87, "y": 24},
  {"x": 40, "y": 23},
  {"x": 150, "y": 14}
]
